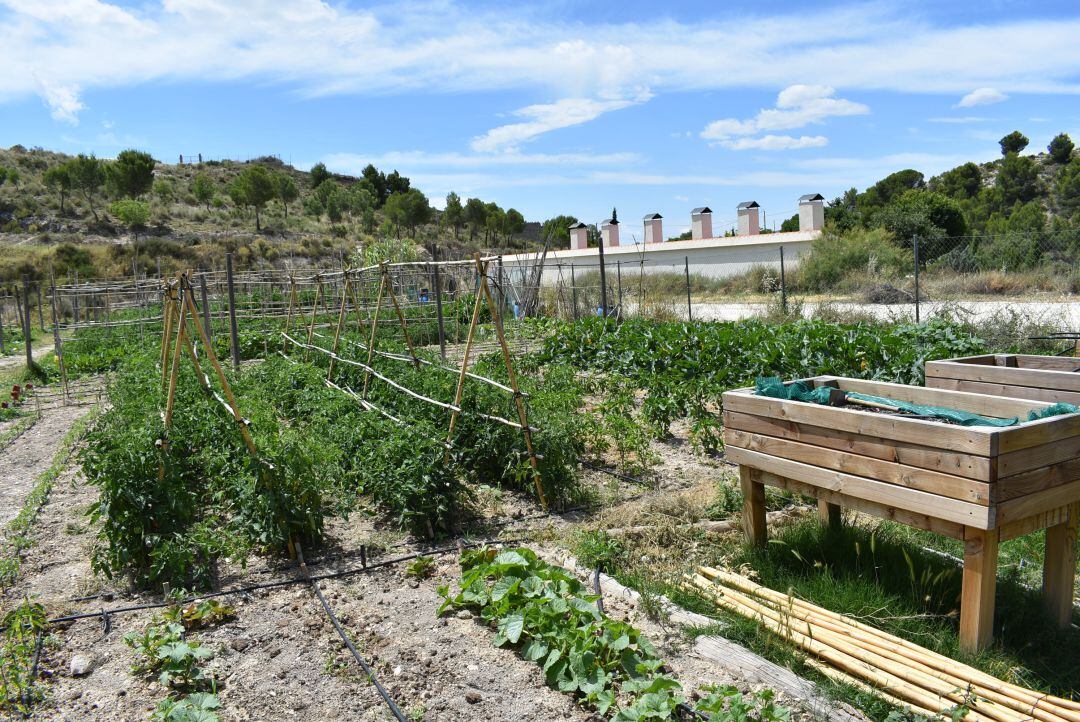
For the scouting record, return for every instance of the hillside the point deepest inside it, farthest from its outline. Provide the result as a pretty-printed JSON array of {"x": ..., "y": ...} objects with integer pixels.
[{"x": 190, "y": 215}]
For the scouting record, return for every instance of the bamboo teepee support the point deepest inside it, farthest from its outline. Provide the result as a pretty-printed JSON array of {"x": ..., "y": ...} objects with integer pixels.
[
  {"x": 909, "y": 661},
  {"x": 337, "y": 329},
  {"x": 482, "y": 267},
  {"x": 496, "y": 319},
  {"x": 371, "y": 338},
  {"x": 401, "y": 316}
]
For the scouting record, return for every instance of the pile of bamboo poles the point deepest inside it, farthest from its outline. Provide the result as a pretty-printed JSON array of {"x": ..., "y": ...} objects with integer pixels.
[{"x": 897, "y": 670}]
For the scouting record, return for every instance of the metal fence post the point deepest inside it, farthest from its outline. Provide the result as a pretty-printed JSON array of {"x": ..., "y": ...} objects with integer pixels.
[
  {"x": 783, "y": 282},
  {"x": 689, "y": 307},
  {"x": 573, "y": 290},
  {"x": 26, "y": 323},
  {"x": 205, "y": 297},
  {"x": 438, "y": 303},
  {"x": 40, "y": 314},
  {"x": 603, "y": 281},
  {"x": 2, "y": 304},
  {"x": 618, "y": 280},
  {"x": 915, "y": 244},
  {"x": 232, "y": 311}
]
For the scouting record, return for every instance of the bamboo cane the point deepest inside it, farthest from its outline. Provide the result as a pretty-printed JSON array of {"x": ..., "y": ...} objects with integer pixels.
[
  {"x": 1055, "y": 705},
  {"x": 850, "y": 660},
  {"x": 845, "y": 678},
  {"x": 482, "y": 265},
  {"x": 371, "y": 339},
  {"x": 496, "y": 318},
  {"x": 916, "y": 671},
  {"x": 401, "y": 318},
  {"x": 337, "y": 330}
]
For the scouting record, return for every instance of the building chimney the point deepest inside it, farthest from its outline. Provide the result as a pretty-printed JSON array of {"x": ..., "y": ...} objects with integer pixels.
[
  {"x": 654, "y": 228},
  {"x": 701, "y": 223},
  {"x": 609, "y": 233},
  {"x": 579, "y": 236},
  {"x": 748, "y": 218},
  {"x": 811, "y": 212}
]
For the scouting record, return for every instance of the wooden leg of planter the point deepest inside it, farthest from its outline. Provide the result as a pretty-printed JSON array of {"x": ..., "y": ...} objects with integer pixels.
[
  {"x": 829, "y": 514},
  {"x": 980, "y": 582},
  {"x": 753, "y": 506},
  {"x": 1059, "y": 570}
]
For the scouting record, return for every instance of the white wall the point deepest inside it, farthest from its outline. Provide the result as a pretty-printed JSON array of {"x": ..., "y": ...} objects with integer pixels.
[{"x": 711, "y": 257}]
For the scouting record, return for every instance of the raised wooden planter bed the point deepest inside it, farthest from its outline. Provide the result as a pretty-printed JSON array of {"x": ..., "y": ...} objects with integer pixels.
[
  {"x": 980, "y": 484},
  {"x": 1043, "y": 378}
]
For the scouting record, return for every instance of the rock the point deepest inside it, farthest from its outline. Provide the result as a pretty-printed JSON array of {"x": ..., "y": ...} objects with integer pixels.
[
  {"x": 81, "y": 665},
  {"x": 240, "y": 644},
  {"x": 473, "y": 697},
  {"x": 464, "y": 614}
]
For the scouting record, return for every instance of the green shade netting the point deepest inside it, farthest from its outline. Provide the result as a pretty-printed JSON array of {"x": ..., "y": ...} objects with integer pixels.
[{"x": 774, "y": 387}]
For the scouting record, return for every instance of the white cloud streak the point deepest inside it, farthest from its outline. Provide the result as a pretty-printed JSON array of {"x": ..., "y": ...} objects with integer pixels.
[
  {"x": 317, "y": 48},
  {"x": 981, "y": 96},
  {"x": 796, "y": 106},
  {"x": 546, "y": 117}
]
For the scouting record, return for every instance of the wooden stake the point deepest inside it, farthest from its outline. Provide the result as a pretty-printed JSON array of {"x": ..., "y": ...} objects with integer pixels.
[
  {"x": 401, "y": 316},
  {"x": 371, "y": 339},
  {"x": 482, "y": 265},
  {"x": 337, "y": 330},
  {"x": 496, "y": 318}
]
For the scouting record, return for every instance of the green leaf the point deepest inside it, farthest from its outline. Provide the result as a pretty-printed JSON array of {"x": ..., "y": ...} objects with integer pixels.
[
  {"x": 504, "y": 586},
  {"x": 511, "y": 626},
  {"x": 510, "y": 559}
]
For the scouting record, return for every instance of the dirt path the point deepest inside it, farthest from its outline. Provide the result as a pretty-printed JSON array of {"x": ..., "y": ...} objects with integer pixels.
[
  {"x": 22, "y": 461},
  {"x": 15, "y": 360}
]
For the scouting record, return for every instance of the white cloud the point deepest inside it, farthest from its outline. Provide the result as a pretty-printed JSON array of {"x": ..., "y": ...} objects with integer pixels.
[
  {"x": 546, "y": 117},
  {"x": 776, "y": 142},
  {"x": 796, "y": 106},
  {"x": 315, "y": 48},
  {"x": 981, "y": 96},
  {"x": 62, "y": 100}
]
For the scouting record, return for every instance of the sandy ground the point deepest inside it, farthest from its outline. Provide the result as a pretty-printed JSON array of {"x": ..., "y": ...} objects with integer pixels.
[{"x": 29, "y": 455}]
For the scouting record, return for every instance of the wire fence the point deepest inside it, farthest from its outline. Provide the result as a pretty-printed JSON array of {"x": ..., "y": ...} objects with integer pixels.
[{"x": 1031, "y": 272}]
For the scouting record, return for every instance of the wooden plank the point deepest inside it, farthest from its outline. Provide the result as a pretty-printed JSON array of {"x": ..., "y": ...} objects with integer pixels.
[
  {"x": 997, "y": 406},
  {"x": 1038, "y": 502},
  {"x": 1059, "y": 569},
  {"x": 1044, "y": 477},
  {"x": 924, "y": 457},
  {"x": 1051, "y": 395},
  {"x": 882, "y": 511},
  {"x": 933, "y": 482},
  {"x": 920, "y": 502},
  {"x": 977, "y": 441},
  {"x": 979, "y": 585},
  {"x": 1036, "y": 457},
  {"x": 753, "y": 507},
  {"x": 1048, "y": 363},
  {"x": 1038, "y": 433},
  {"x": 1033, "y": 377},
  {"x": 1027, "y": 525}
]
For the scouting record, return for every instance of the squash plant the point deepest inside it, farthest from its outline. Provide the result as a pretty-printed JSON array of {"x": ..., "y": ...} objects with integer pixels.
[{"x": 548, "y": 616}]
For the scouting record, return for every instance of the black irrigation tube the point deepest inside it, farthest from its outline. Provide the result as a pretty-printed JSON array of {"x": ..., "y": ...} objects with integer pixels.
[
  {"x": 106, "y": 613},
  {"x": 394, "y": 709}
]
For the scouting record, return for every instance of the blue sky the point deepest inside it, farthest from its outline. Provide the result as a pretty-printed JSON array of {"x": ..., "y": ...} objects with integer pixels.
[{"x": 560, "y": 107}]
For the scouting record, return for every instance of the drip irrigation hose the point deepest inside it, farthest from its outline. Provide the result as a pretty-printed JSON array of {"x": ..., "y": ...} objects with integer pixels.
[
  {"x": 599, "y": 592},
  {"x": 394, "y": 709},
  {"x": 278, "y": 583}
]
